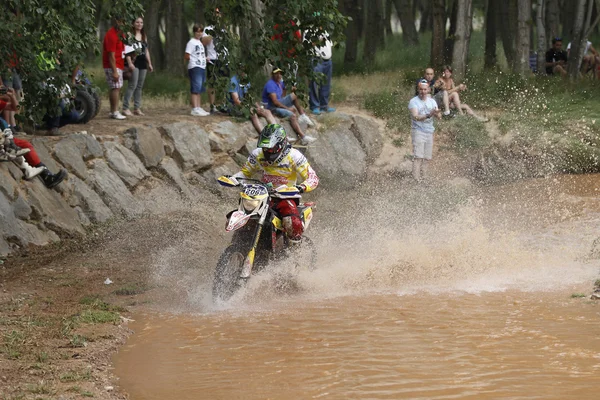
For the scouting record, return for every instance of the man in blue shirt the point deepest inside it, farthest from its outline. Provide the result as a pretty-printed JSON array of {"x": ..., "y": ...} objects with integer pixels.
[{"x": 275, "y": 99}]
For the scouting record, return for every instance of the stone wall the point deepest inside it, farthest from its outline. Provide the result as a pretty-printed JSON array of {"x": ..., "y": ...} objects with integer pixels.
[{"x": 108, "y": 175}]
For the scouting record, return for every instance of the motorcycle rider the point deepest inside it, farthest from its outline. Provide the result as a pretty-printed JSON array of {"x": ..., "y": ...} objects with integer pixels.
[{"x": 281, "y": 165}]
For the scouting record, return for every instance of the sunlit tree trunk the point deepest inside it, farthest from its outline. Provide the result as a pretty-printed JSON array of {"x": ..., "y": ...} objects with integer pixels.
[
  {"x": 521, "y": 65},
  {"x": 462, "y": 37},
  {"x": 175, "y": 42},
  {"x": 541, "y": 36},
  {"x": 151, "y": 26},
  {"x": 438, "y": 33},
  {"x": 491, "y": 11},
  {"x": 449, "y": 41},
  {"x": 410, "y": 36},
  {"x": 577, "y": 43}
]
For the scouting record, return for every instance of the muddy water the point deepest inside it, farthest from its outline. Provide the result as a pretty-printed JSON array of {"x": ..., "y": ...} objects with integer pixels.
[{"x": 474, "y": 302}]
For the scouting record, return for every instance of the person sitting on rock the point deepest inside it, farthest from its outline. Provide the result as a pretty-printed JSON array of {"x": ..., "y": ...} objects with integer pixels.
[
  {"x": 22, "y": 153},
  {"x": 453, "y": 94},
  {"x": 274, "y": 98},
  {"x": 440, "y": 95},
  {"x": 556, "y": 59}
]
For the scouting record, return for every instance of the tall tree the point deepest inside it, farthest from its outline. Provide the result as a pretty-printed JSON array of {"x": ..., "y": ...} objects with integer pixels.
[
  {"x": 353, "y": 9},
  {"x": 552, "y": 21},
  {"x": 426, "y": 21},
  {"x": 462, "y": 37},
  {"x": 410, "y": 37},
  {"x": 521, "y": 65},
  {"x": 175, "y": 42},
  {"x": 540, "y": 12},
  {"x": 449, "y": 41},
  {"x": 151, "y": 25},
  {"x": 374, "y": 34},
  {"x": 508, "y": 28},
  {"x": 578, "y": 40},
  {"x": 388, "y": 17},
  {"x": 438, "y": 35},
  {"x": 491, "y": 12}
]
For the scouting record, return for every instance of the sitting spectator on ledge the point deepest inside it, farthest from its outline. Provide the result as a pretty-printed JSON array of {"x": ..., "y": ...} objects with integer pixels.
[
  {"x": 556, "y": 59},
  {"x": 22, "y": 153},
  {"x": 453, "y": 94},
  {"x": 235, "y": 96},
  {"x": 9, "y": 105},
  {"x": 591, "y": 58},
  {"x": 440, "y": 95},
  {"x": 274, "y": 98}
]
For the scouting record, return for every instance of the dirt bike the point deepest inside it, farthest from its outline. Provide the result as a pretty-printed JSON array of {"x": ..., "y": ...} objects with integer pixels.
[
  {"x": 258, "y": 237},
  {"x": 87, "y": 99}
]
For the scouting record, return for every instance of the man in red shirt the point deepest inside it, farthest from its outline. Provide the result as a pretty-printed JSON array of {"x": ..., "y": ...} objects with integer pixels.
[{"x": 113, "y": 64}]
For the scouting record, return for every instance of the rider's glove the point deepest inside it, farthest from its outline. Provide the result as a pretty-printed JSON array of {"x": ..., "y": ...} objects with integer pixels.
[{"x": 301, "y": 188}]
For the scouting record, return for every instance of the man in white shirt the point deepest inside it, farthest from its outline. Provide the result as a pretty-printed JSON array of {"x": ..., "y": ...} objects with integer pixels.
[
  {"x": 422, "y": 110},
  {"x": 319, "y": 91}
]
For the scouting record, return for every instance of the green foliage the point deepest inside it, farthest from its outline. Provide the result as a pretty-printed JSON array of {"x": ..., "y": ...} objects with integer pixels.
[{"x": 48, "y": 39}]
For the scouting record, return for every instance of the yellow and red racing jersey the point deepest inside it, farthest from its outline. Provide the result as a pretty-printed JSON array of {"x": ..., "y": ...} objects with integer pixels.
[{"x": 290, "y": 168}]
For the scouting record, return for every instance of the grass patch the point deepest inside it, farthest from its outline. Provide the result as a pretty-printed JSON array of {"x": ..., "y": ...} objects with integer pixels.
[
  {"x": 76, "y": 376},
  {"x": 42, "y": 387},
  {"x": 131, "y": 289},
  {"x": 96, "y": 303},
  {"x": 77, "y": 341},
  {"x": 467, "y": 133},
  {"x": 92, "y": 316},
  {"x": 13, "y": 341},
  {"x": 578, "y": 295}
]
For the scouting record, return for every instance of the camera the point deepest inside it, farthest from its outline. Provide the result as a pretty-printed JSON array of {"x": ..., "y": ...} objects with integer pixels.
[{"x": 3, "y": 90}]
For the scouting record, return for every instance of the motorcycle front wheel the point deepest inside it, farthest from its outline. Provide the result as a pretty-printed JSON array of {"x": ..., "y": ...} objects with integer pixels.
[{"x": 227, "y": 273}]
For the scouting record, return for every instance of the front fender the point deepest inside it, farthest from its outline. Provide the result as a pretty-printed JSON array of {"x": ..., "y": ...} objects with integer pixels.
[{"x": 237, "y": 219}]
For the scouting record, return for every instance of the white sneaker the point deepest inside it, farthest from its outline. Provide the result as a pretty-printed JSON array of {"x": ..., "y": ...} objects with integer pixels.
[
  {"x": 117, "y": 115},
  {"x": 292, "y": 140},
  {"x": 195, "y": 112},
  {"x": 308, "y": 139},
  {"x": 203, "y": 113},
  {"x": 304, "y": 118}
]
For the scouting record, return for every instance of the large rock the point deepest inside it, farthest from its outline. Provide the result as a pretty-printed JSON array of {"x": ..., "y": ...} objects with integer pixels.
[
  {"x": 90, "y": 202},
  {"x": 338, "y": 157},
  {"x": 54, "y": 212},
  {"x": 147, "y": 143},
  {"x": 42, "y": 146},
  {"x": 112, "y": 189},
  {"x": 169, "y": 167},
  {"x": 369, "y": 135},
  {"x": 125, "y": 163},
  {"x": 74, "y": 150},
  {"x": 191, "y": 146},
  {"x": 226, "y": 136},
  {"x": 8, "y": 185},
  {"x": 16, "y": 231}
]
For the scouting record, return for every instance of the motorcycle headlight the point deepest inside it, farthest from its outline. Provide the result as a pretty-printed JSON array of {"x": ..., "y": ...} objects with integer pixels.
[{"x": 250, "y": 205}]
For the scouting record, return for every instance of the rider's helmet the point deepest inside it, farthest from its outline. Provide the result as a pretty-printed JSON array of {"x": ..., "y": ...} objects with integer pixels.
[{"x": 272, "y": 140}]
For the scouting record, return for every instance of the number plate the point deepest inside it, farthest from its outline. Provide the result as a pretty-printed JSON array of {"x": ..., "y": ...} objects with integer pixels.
[{"x": 255, "y": 190}]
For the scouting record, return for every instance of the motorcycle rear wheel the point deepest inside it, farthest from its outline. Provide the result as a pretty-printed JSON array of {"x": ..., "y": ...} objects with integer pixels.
[{"x": 227, "y": 273}]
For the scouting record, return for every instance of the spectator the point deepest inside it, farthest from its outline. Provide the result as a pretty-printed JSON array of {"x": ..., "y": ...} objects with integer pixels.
[
  {"x": 214, "y": 65},
  {"x": 235, "y": 96},
  {"x": 26, "y": 158},
  {"x": 422, "y": 110},
  {"x": 196, "y": 59},
  {"x": 274, "y": 98},
  {"x": 591, "y": 58},
  {"x": 319, "y": 94},
  {"x": 9, "y": 105},
  {"x": 453, "y": 94},
  {"x": 113, "y": 64},
  {"x": 440, "y": 95},
  {"x": 556, "y": 59},
  {"x": 12, "y": 80},
  {"x": 139, "y": 63}
]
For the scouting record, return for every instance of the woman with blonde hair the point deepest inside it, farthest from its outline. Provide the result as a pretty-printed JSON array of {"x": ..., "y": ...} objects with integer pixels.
[
  {"x": 453, "y": 94},
  {"x": 138, "y": 62}
]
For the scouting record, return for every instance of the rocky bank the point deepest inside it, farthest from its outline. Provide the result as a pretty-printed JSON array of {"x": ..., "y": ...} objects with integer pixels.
[{"x": 109, "y": 176}]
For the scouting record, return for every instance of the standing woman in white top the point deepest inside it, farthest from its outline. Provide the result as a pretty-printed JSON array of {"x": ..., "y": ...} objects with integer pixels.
[
  {"x": 196, "y": 64},
  {"x": 139, "y": 63}
]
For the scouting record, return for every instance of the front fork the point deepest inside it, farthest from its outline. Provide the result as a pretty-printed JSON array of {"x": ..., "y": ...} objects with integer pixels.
[{"x": 249, "y": 260}]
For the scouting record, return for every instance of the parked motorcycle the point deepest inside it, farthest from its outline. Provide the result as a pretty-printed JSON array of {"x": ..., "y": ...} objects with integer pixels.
[{"x": 258, "y": 236}]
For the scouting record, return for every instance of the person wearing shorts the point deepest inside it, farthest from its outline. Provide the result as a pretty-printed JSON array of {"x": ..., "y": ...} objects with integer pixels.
[
  {"x": 422, "y": 110},
  {"x": 113, "y": 64},
  {"x": 196, "y": 59}
]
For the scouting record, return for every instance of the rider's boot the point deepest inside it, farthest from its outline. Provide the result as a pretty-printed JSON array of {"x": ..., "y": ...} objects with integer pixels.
[{"x": 29, "y": 171}]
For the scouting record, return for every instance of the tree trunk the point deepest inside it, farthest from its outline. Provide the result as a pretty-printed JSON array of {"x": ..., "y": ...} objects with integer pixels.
[
  {"x": 426, "y": 22},
  {"x": 410, "y": 36},
  {"x": 568, "y": 14},
  {"x": 175, "y": 42},
  {"x": 438, "y": 35},
  {"x": 578, "y": 42},
  {"x": 521, "y": 65},
  {"x": 352, "y": 10},
  {"x": 490, "y": 59},
  {"x": 151, "y": 23},
  {"x": 374, "y": 36},
  {"x": 449, "y": 41},
  {"x": 462, "y": 37},
  {"x": 508, "y": 28},
  {"x": 388, "y": 18},
  {"x": 552, "y": 21},
  {"x": 541, "y": 36}
]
